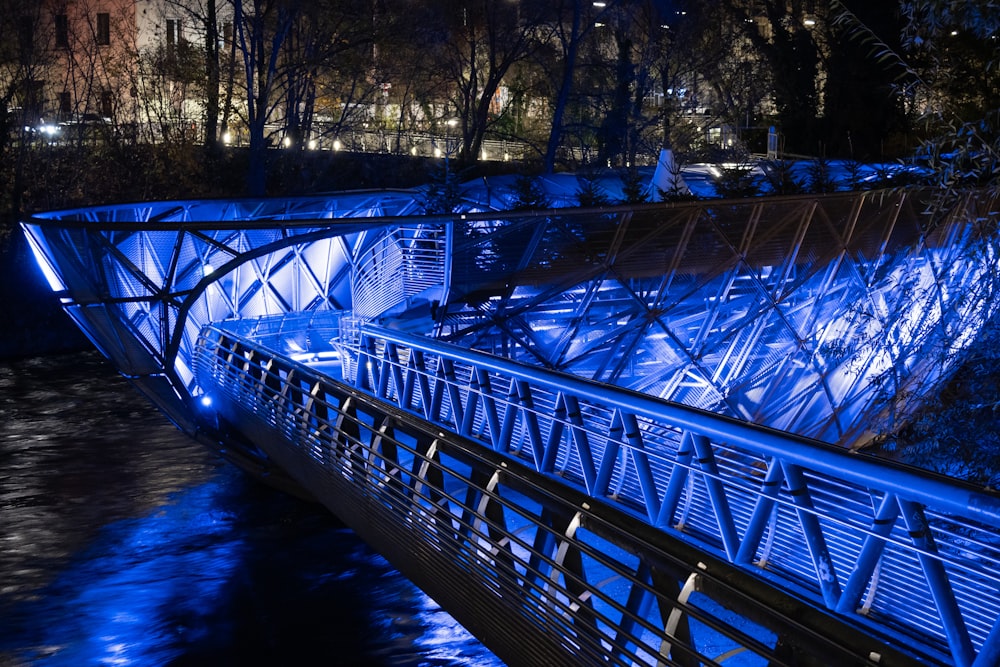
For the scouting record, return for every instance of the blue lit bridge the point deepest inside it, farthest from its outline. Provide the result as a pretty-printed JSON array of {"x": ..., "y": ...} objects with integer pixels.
[{"x": 618, "y": 436}]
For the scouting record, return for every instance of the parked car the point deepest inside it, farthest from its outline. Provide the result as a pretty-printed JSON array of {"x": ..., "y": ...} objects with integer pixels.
[{"x": 85, "y": 127}]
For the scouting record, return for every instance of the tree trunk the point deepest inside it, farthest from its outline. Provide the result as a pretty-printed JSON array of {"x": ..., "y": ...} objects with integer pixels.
[
  {"x": 212, "y": 76},
  {"x": 562, "y": 99}
]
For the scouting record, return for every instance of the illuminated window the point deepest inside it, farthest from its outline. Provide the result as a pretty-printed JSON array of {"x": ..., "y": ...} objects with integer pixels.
[{"x": 104, "y": 29}]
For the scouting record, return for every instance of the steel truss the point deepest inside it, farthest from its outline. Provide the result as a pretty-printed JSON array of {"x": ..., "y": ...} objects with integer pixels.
[
  {"x": 825, "y": 316},
  {"x": 820, "y": 315},
  {"x": 541, "y": 570}
]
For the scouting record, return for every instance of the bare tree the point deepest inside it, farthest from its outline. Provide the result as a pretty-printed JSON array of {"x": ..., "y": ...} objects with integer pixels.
[
  {"x": 205, "y": 16},
  {"x": 780, "y": 32},
  {"x": 261, "y": 27},
  {"x": 481, "y": 42},
  {"x": 573, "y": 22},
  {"x": 328, "y": 49}
]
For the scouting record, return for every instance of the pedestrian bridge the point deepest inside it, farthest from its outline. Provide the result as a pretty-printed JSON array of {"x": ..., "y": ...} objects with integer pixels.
[{"x": 618, "y": 436}]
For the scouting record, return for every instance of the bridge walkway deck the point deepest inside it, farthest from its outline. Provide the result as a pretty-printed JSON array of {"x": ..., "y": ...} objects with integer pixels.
[{"x": 582, "y": 523}]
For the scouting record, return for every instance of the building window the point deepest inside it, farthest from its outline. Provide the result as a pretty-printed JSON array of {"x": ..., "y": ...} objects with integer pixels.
[
  {"x": 32, "y": 97},
  {"x": 107, "y": 104},
  {"x": 26, "y": 38},
  {"x": 65, "y": 104},
  {"x": 62, "y": 31},
  {"x": 173, "y": 33},
  {"x": 104, "y": 29}
]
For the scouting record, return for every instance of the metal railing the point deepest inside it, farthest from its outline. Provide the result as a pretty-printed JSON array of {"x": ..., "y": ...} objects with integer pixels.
[
  {"x": 895, "y": 549},
  {"x": 403, "y": 262},
  {"x": 536, "y": 567}
]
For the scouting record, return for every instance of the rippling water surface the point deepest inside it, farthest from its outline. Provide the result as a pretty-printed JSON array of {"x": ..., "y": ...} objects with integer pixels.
[{"x": 122, "y": 542}]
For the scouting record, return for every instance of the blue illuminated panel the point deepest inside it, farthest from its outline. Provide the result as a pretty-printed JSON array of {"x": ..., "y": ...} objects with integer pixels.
[{"x": 824, "y": 316}]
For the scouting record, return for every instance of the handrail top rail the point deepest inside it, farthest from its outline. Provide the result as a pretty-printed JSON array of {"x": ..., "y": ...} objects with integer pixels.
[
  {"x": 931, "y": 489},
  {"x": 60, "y": 218}
]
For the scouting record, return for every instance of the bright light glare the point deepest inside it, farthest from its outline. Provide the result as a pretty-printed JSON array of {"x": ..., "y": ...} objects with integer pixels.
[
  {"x": 337, "y": 145},
  {"x": 206, "y": 400},
  {"x": 55, "y": 282}
]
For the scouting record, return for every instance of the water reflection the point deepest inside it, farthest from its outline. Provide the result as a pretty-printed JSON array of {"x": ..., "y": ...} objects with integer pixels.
[{"x": 124, "y": 543}]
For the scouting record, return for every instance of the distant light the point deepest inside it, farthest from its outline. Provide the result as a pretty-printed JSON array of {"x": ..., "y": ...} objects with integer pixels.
[
  {"x": 598, "y": 24},
  {"x": 312, "y": 144},
  {"x": 954, "y": 33},
  {"x": 437, "y": 152},
  {"x": 413, "y": 151},
  {"x": 506, "y": 157},
  {"x": 485, "y": 155},
  {"x": 337, "y": 145},
  {"x": 287, "y": 142},
  {"x": 452, "y": 122},
  {"x": 206, "y": 400},
  {"x": 227, "y": 138},
  {"x": 810, "y": 22},
  {"x": 600, "y": 4}
]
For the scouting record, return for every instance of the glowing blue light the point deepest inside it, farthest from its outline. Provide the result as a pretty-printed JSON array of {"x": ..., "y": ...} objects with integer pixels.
[
  {"x": 55, "y": 282},
  {"x": 206, "y": 400},
  {"x": 141, "y": 589}
]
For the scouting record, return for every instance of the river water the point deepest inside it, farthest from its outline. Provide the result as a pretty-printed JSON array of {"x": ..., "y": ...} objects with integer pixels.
[{"x": 122, "y": 542}]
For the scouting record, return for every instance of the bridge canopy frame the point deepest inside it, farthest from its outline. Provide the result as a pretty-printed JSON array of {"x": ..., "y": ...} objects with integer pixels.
[{"x": 810, "y": 314}]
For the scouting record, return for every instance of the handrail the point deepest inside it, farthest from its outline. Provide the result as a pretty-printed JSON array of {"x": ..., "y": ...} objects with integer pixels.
[
  {"x": 588, "y": 576},
  {"x": 403, "y": 262},
  {"x": 857, "y": 468},
  {"x": 878, "y": 542}
]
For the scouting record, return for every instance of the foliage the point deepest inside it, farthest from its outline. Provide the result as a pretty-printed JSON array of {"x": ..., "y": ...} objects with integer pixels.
[
  {"x": 737, "y": 181},
  {"x": 443, "y": 193},
  {"x": 781, "y": 178},
  {"x": 819, "y": 176},
  {"x": 633, "y": 187},
  {"x": 950, "y": 76},
  {"x": 958, "y": 432},
  {"x": 529, "y": 194},
  {"x": 853, "y": 169},
  {"x": 589, "y": 193}
]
